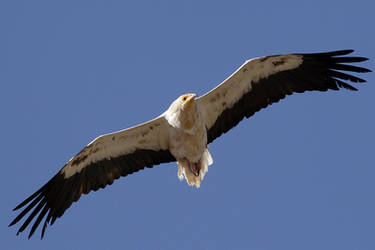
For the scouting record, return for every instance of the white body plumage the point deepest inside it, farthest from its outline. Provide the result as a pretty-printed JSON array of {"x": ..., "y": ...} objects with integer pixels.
[{"x": 188, "y": 139}]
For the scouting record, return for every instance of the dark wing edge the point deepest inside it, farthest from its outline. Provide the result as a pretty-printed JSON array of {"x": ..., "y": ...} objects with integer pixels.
[
  {"x": 58, "y": 194},
  {"x": 318, "y": 71}
]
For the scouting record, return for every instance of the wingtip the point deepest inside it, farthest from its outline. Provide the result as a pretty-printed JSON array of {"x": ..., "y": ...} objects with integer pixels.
[
  {"x": 341, "y": 52},
  {"x": 334, "y": 54},
  {"x": 344, "y": 51},
  {"x": 31, "y": 233},
  {"x": 362, "y": 59},
  {"x": 22, "y": 204}
]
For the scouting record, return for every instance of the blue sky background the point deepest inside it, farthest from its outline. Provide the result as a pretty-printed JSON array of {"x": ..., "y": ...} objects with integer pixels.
[{"x": 298, "y": 175}]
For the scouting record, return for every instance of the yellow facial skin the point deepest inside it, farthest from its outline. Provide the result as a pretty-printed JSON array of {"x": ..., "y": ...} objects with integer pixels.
[{"x": 187, "y": 100}]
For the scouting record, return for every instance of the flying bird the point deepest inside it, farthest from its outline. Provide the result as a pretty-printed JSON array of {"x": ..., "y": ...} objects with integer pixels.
[{"x": 183, "y": 132}]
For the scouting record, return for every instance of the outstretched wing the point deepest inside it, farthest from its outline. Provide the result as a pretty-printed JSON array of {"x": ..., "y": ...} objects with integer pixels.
[
  {"x": 262, "y": 81},
  {"x": 101, "y": 162}
]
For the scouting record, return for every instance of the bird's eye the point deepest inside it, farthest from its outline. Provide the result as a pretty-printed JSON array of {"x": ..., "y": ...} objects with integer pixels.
[{"x": 184, "y": 98}]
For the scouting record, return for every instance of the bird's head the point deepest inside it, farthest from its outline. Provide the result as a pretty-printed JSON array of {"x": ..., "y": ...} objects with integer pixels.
[
  {"x": 187, "y": 101},
  {"x": 182, "y": 111}
]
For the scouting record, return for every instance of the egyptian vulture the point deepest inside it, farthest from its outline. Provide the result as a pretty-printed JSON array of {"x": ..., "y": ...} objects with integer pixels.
[{"x": 183, "y": 132}]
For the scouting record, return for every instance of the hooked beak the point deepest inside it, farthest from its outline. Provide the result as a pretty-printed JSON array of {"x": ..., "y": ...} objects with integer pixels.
[
  {"x": 191, "y": 97},
  {"x": 189, "y": 101}
]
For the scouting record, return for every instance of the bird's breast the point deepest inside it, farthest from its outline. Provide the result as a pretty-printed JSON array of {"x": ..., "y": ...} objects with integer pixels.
[{"x": 188, "y": 144}]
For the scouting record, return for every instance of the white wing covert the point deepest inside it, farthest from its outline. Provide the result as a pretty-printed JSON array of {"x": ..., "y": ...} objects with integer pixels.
[
  {"x": 101, "y": 162},
  {"x": 262, "y": 81}
]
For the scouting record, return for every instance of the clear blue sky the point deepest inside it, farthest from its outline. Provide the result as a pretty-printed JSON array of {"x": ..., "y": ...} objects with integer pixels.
[{"x": 298, "y": 175}]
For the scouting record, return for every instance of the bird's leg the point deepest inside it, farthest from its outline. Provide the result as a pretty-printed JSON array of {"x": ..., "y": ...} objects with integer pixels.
[
  {"x": 195, "y": 167},
  {"x": 193, "y": 172}
]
